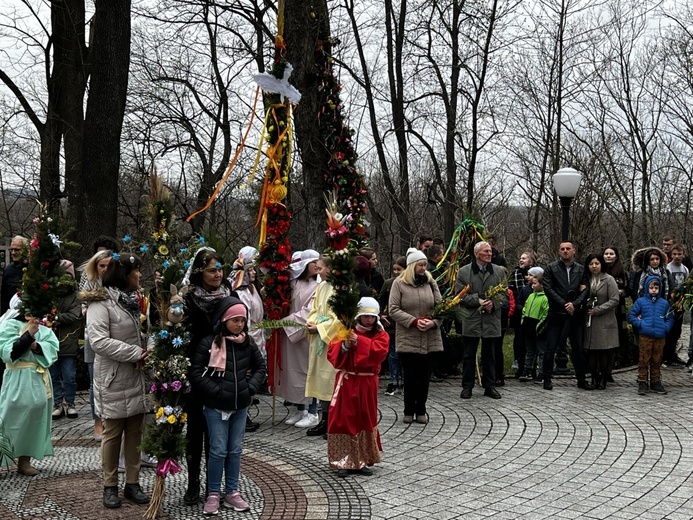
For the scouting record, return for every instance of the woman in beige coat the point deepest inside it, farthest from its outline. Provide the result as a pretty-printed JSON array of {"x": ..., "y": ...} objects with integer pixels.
[
  {"x": 601, "y": 325},
  {"x": 412, "y": 298},
  {"x": 114, "y": 326}
]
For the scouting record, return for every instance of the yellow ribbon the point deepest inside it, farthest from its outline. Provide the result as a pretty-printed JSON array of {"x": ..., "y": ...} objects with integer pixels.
[
  {"x": 28, "y": 364},
  {"x": 342, "y": 333}
]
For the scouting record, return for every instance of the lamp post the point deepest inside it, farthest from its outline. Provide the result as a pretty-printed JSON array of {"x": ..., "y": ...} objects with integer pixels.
[{"x": 566, "y": 182}]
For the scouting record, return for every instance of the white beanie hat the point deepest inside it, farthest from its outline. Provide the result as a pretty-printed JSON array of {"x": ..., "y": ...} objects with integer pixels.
[
  {"x": 535, "y": 271},
  {"x": 414, "y": 255}
]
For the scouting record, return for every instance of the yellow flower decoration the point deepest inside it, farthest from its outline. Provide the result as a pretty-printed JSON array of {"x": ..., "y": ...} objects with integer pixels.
[
  {"x": 183, "y": 417},
  {"x": 160, "y": 413},
  {"x": 171, "y": 419},
  {"x": 163, "y": 250}
]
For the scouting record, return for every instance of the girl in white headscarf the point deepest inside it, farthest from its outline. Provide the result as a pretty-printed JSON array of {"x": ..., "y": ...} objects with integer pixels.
[{"x": 292, "y": 370}]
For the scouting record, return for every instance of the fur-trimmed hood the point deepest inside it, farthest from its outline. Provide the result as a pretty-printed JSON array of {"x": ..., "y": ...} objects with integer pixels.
[
  {"x": 96, "y": 294},
  {"x": 637, "y": 260}
]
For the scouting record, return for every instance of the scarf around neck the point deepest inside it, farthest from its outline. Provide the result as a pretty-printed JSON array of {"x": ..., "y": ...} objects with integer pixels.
[
  {"x": 207, "y": 300},
  {"x": 130, "y": 301},
  {"x": 364, "y": 330},
  {"x": 217, "y": 355}
]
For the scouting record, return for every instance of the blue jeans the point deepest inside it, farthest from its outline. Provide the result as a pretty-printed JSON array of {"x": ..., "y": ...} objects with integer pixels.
[
  {"x": 393, "y": 363},
  {"x": 63, "y": 374},
  {"x": 226, "y": 440},
  {"x": 312, "y": 407}
]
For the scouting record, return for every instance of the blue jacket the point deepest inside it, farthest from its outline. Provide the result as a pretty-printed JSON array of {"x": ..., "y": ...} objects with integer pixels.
[{"x": 650, "y": 314}]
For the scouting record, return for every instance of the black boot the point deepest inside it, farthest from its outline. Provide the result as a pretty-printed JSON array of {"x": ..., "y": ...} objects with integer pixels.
[
  {"x": 111, "y": 500},
  {"x": 134, "y": 493},
  {"x": 192, "y": 494},
  {"x": 250, "y": 426},
  {"x": 584, "y": 384},
  {"x": 320, "y": 429}
]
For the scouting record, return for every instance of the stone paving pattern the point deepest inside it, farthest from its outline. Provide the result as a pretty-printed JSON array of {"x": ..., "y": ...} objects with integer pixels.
[{"x": 567, "y": 453}]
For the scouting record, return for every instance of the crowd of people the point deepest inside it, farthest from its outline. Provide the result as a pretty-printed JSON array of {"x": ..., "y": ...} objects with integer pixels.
[{"x": 328, "y": 381}]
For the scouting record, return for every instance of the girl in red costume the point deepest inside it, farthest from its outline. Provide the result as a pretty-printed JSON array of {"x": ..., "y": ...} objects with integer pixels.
[{"x": 353, "y": 440}]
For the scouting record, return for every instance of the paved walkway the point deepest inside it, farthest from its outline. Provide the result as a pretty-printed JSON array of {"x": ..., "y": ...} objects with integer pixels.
[{"x": 533, "y": 454}]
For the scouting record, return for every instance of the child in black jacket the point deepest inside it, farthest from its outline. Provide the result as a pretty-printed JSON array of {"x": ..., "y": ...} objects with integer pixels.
[{"x": 219, "y": 369}]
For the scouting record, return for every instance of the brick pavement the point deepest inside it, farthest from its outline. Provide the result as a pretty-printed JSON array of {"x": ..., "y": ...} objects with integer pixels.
[{"x": 533, "y": 454}]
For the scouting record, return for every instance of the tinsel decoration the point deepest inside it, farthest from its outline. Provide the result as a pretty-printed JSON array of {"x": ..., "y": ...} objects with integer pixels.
[
  {"x": 341, "y": 176},
  {"x": 460, "y": 251},
  {"x": 681, "y": 298},
  {"x": 342, "y": 251},
  {"x": 274, "y": 218},
  {"x": 167, "y": 367},
  {"x": 346, "y": 199},
  {"x": 44, "y": 279}
]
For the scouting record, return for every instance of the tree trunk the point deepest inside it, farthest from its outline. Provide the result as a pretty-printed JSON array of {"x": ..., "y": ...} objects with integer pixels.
[
  {"x": 306, "y": 21},
  {"x": 66, "y": 88},
  {"x": 110, "y": 61}
]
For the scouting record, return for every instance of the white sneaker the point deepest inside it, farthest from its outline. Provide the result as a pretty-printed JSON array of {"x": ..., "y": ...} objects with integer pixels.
[
  {"x": 296, "y": 416},
  {"x": 58, "y": 411},
  {"x": 310, "y": 420},
  {"x": 148, "y": 461}
]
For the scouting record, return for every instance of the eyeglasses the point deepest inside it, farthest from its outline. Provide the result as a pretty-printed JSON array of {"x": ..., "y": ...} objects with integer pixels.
[{"x": 14, "y": 250}]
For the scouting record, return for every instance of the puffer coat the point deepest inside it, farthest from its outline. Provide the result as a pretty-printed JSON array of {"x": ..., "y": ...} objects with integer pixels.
[
  {"x": 407, "y": 303},
  {"x": 231, "y": 389},
  {"x": 649, "y": 315},
  {"x": 119, "y": 383}
]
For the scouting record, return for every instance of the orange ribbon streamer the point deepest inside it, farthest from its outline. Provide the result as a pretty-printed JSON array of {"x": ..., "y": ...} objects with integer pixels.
[{"x": 216, "y": 191}]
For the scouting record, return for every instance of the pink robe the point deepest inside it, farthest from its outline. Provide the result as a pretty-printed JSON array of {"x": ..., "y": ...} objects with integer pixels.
[
  {"x": 353, "y": 439},
  {"x": 290, "y": 376}
]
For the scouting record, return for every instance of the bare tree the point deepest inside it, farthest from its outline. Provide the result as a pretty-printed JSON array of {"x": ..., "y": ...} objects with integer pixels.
[{"x": 188, "y": 94}]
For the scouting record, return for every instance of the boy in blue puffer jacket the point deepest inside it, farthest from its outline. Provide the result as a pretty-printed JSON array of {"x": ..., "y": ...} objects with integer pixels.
[{"x": 652, "y": 322}]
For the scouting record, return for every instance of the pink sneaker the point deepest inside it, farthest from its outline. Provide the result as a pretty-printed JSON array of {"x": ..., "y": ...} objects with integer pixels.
[
  {"x": 235, "y": 501},
  {"x": 212, "y": 504}
]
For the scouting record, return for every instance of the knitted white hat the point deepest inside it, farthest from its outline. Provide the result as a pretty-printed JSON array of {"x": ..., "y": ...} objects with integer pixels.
[{"x": 414, "y": 255}]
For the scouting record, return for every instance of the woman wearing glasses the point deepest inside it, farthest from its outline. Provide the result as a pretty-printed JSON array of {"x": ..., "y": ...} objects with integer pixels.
[{"x": 208, "y": 287}]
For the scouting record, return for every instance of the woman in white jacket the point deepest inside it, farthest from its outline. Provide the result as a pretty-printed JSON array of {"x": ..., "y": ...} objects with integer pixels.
[{"x": 114, "y": 326}]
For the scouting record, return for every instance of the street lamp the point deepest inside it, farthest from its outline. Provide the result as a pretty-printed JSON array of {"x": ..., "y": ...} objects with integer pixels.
[{"x": 566, "y": 182}]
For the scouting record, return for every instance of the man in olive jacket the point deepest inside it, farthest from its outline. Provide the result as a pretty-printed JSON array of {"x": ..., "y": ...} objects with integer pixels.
[
  {"x": 567, "y": 295},
  {"x": 481, "y": 318}
]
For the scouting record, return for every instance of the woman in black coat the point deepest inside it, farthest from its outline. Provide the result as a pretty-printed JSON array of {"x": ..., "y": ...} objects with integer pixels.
[{"x": 208, "y": 287}]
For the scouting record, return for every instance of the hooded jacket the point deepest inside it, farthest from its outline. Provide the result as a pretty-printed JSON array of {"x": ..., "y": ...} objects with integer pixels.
[
  {"x": 119, "y": 385},
  {"x": 650, "y": 315},
  {"x": 640, "y": 269},
  {"x": 231, "y": 389}
]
